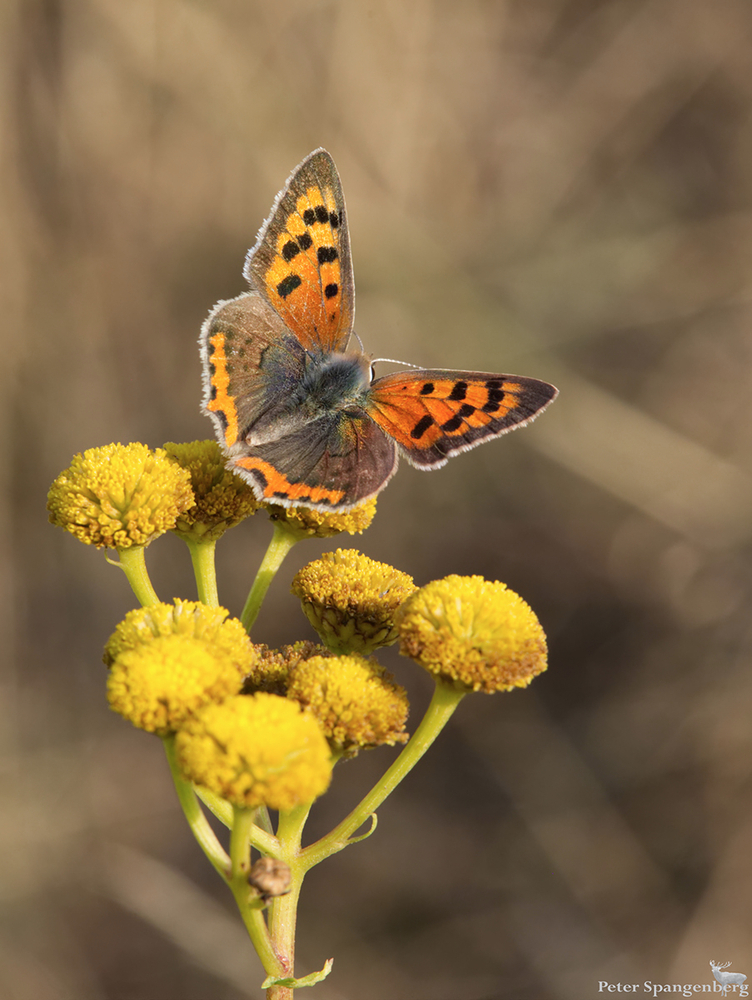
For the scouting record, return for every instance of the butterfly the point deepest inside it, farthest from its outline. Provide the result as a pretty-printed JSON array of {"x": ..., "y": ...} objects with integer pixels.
[{"x": 297, "y": 410}]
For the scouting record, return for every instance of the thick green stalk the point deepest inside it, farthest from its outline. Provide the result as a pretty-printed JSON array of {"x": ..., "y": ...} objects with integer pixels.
[
  {"x": 240, "y": 842},
  {"x": 133, "y": 564},
  {"x": 202, "y": 557},
  {"x": 282, "y": 541},
  {"x": 283, "y": 910},
  {"x": 249, "y": 904}
]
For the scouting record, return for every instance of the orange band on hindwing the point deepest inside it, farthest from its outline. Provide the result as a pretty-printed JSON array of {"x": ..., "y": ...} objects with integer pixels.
[{"x": 276, "y": 486}]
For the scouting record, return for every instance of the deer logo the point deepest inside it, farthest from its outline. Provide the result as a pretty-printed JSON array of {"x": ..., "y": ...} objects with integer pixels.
[{"x": 726, "y": 979}]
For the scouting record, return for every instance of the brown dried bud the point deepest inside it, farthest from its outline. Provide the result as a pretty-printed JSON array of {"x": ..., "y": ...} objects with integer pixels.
[{"x": 270, "y": 877}]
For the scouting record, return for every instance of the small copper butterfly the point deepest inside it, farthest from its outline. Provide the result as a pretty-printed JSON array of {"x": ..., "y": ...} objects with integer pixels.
[{"x": 298, "y": 414}]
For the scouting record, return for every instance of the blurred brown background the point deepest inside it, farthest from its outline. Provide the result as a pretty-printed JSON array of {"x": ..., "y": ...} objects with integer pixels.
[{"x": 555, "y": 188}]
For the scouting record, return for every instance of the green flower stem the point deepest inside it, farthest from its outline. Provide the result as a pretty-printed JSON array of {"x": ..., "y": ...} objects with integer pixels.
[
  {"x": 445, "y": 700},
  {"x": 252, "y": 916},
  {"x": 283, "y": 910},
  {"x": 282, "y": 541},
  {"x": 261, "y": 838},
  {"x": 133, "y": 564},
  {"x": 249, "y": 903},
  {"x": 216, "y": 804},
  {"x": 240, "y": 842},
  {"x": 202, "y": 557},
  {"x": 194, "y": 814}
]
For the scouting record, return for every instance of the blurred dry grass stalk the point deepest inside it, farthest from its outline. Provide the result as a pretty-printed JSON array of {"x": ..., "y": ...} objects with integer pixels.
[{"x": 556, "y": 187}]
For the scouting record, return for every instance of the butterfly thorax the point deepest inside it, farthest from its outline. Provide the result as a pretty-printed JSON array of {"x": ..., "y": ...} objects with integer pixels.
[
  {"x": 332, "y": 382},
  {"x": 324, "y": 389}
]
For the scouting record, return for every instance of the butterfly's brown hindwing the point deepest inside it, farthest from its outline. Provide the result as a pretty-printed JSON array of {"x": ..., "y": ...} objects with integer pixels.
[
  {"x": 238, "y": 392},
  {"x": 435, "y": 414},
  {"x": 333, "y": 463},
  {"x": 301, "y": 261}
]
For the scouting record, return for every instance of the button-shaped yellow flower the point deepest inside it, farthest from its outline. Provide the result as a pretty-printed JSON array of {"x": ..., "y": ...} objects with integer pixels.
[
  {"x": 356, "y": 701},
  {"x": 473, "y": 633},
  {"x": 223, "y": 499},
  {"x": 351, "y": 600},
  {"x": 256, "y": 750},
  {"x": 306, "y": 523},
  {"x": 157, "y": 685},
  {"x": 187, "y": 618},
  {"x": 119, "y": 496}
]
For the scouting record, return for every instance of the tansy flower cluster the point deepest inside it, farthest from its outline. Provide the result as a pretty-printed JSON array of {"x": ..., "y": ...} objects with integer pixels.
[
  {"x": 355, "y": 700},
  {"x": 180, "y": 669},
  {"x": 350, "y": 600},
  {"x": 256, "y": 750},
  {"x": 473, "y": 633},
  {"x": 221, "y": 498},
  {"x": 169, "y": 661},
  {"x": 250, "y": 728},
  {"x": 120, "y": 495}
]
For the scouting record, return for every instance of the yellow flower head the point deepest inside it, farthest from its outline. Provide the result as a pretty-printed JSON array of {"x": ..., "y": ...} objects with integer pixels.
[
  {"x": 256, "y": 750},
  {"x": 272, "y": 667},
  {"x": 355, "y": 700},
  {"x": 306, "y": 523},
  {"x": 159, "y": 684},
  {"x": 223, "y": 499},
  {"x": 120, "y": 495},
  {"x": 351, "y": 600},
  {"x": 473, "y": 633},
  {"x": 187, "y": 618}
]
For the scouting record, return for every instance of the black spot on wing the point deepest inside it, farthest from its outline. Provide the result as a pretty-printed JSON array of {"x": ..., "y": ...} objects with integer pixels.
[
  {"x": 305, "y": 241},
  {"x": 288, "y": 285},
  {"x": 290, "y": 249},
  {"x": 331, "y": 290},
  {"x": 459, "y": 391},
  {"x": 453, "y": 424},
  {"x": 326, "y": 255},
  {"x": 427, "y": 388},
  {"x": 421, "y": 427},
  {"x": 495, "y": 397}
]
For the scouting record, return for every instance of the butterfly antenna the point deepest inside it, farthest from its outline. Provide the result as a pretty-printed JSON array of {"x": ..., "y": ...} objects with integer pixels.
[{"x": 394, "y": 361}]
